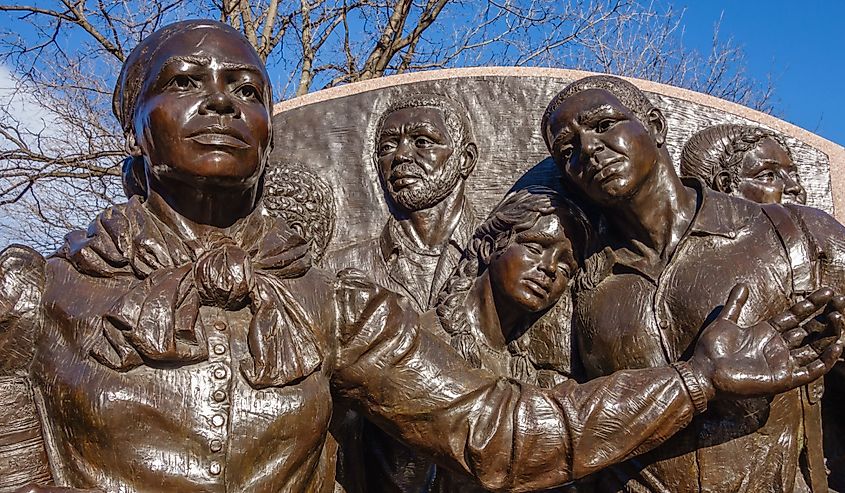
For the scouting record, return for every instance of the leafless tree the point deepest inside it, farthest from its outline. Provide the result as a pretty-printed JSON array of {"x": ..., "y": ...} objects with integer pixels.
[{"x": 61, "y": 150}]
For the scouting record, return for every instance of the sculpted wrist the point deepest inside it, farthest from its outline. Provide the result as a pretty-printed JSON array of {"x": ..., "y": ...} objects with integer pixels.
[{"x": 697, "y": 389}]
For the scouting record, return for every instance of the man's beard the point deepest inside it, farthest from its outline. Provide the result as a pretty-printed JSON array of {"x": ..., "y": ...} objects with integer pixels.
[{"x": 428, "y": 192}]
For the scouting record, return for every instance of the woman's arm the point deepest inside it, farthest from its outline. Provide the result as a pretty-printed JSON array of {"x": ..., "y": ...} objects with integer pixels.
[
  {"x": 23, "y": 458},
  {"x": 516, "y": 437}
]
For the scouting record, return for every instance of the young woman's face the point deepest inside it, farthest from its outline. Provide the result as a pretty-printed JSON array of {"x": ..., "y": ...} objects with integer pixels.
[{"x": 533, "y": 271}]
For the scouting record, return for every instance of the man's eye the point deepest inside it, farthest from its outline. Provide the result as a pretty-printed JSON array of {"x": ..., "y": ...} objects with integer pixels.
[
  {"x": 605, "y": 125},
  {"x": 182, "y": 81},
  {"x": 386, "y": 147},
  {"x": 766, "y": 176},
  {"x": 423, "y": 142},
  {"x": 565, "y": 153}
]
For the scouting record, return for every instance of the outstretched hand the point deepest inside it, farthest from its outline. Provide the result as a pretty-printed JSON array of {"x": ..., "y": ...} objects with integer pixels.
[{"x": 789, "y": 350}]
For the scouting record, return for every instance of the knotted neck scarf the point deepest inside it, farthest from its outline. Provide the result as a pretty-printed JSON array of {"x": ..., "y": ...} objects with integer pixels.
[{"x": 158, "y": 318}]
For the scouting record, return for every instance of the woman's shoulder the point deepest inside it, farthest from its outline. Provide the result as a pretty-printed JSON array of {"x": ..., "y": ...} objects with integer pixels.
[{"x": 22, "y": 279}]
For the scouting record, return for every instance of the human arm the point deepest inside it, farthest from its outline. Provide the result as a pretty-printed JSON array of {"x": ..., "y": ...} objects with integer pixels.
[
  {"x": 23, "y": 458},
  {"x": 510, "y": 436}
]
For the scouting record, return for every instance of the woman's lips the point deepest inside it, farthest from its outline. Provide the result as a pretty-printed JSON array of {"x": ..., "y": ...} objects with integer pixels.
[{"x": 218, "y": 139}]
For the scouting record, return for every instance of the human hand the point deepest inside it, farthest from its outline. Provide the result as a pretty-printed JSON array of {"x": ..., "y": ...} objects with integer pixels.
[{"x": 788, "y": 351}]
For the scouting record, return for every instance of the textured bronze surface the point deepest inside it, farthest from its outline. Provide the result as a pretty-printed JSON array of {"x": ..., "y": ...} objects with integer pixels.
[{"x": 184, "y": 342}]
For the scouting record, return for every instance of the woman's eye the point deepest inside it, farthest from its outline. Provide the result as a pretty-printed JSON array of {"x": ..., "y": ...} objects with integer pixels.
[
  {"x": 564, "y": 269},
  {"x": 248, "y": 92},
  {"x": 182, "y": 82},
  {"x": 534, "y": 248}
]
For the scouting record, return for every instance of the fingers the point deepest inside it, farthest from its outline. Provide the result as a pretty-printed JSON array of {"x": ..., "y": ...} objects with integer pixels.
[
  {"x": 831, "y": 324},
  {"x": 804, "y": 355},
  {"x": 794, "y": 337},
  {"x": 796, "y": 314},
  {"x": 818, "y": 367},
  {"x": 736, "y": 301}
]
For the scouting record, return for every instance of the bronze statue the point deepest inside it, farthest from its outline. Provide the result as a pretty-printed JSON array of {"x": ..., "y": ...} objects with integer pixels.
[
  {"x": 424, "y": 151},
  {"x": 518, "y": 264},
  {"x": 756, "y": 164},
  {"x": 744, "y": 160},
  {"x": 516, "y": 267},
  {"x": 183, "y": 343},
  {"x": 669, "y": 250}
]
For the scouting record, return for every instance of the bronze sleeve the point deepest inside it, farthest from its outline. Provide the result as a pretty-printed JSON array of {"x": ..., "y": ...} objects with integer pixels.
[{"x": 508, "y": 435}]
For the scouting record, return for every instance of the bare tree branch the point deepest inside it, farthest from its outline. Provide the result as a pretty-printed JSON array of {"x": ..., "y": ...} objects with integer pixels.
[{"x": 61, "y": 150}]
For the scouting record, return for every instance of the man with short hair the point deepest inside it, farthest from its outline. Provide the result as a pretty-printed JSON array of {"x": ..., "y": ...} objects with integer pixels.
[
  {"x": 669, "y": 250},
  {"x": 744, "y": 160},
  {"x": 424, "y": 151}
]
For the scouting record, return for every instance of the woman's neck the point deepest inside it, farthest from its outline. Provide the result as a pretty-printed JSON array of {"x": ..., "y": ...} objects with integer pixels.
[
  {"x": 215, "y": 206},
  {"x": 495, "y": 320}
]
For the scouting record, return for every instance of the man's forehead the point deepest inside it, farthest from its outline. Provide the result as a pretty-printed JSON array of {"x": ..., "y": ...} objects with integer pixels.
[
  {"x": 415, "y": 114},
  {"x": 588, "y": 101}
]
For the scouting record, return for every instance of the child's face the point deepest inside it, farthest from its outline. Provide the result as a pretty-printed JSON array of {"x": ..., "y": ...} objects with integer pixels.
[{"x": 533, "y": 271}]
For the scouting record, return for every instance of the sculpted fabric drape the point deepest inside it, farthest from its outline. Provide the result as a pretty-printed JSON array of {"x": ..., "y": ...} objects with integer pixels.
[{"x": 158, "y": 318}]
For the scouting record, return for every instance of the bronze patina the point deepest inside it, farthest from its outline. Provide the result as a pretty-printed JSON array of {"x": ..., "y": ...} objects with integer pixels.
[{"x": 185, "y": 343}]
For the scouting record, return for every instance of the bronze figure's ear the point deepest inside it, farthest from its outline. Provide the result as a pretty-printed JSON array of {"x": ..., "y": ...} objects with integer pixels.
[
  {"x": 657, "y": 125},
  {"x": 469, "y": 156}
]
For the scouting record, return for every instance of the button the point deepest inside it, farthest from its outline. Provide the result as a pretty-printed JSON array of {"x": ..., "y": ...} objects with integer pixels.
[
  {"x": 220, "y": 325},
  {"x": 215, "y": 468},
  {"x": 215, "y": 445},
  {"x": 219, "y": 396},
  {"x": 663, "y": 324},
  {"x": 220, "y": 373},
  {"x": 218, "y": 420},
  {"x": 219, "y": 349}
]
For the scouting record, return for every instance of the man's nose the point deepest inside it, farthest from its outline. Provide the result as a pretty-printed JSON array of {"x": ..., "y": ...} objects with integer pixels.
[
  {"x": 404, "y": 152},
  {"x": 793, "y": 188},
  {"x": 590, "y": 143},
  {"x": 221, "y": 103}
]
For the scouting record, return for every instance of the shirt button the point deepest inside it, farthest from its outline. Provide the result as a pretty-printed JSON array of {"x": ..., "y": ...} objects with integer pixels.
[
  {"x": 219, "y": 349},
  {"x": 220, "y": 373},
  {"x": 220, "y": 325},
  {"x": 214, "y": 468},
  {"x": 663, "y": 324},
  {"x": 216, "y": 445},
  {"x": 218, "y": 420},
  {"x": 219, "y": 396}
]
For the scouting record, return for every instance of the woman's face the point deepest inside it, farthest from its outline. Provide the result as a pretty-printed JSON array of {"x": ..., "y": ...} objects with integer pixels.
[
  {"x": 533, "y": 271},
  {"x": 202, "y": 115}
]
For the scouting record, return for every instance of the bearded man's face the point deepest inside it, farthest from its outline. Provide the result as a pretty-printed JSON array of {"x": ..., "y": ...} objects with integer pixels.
[{"x": 416, "y": 158}]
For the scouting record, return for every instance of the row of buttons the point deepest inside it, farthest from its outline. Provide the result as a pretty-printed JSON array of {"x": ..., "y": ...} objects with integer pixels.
[{"x": 219, "y": 396}]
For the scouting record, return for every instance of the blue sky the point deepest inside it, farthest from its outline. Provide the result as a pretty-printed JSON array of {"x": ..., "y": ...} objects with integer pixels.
[{"x": 800, "y": 43}]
